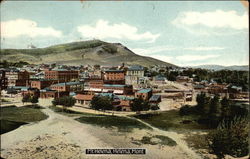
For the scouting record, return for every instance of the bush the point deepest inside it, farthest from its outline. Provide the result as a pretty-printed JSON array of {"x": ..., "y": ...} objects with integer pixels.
[
  {"x": 67, "y": 101},
  {"x": 231, "y": 139}
]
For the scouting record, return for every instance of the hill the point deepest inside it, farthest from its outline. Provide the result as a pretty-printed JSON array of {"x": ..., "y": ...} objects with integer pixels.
[
  {"x": 219, "y": 67},
  {"x": 81, "y": 53}
]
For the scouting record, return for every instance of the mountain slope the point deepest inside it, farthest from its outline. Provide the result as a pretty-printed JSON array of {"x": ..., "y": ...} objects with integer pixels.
[{"x": 81, "y": 53}]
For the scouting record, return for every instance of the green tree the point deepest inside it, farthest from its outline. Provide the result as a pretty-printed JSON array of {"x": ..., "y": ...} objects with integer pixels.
[
  {"x": 203, "y": 103},
  {"x": 214, "y": 105},
  {"x": 225, "y": 107},
  {"x": 66, "y": 101},
  {"x": 139, "y": 105},
  {"x": 101, "y": 102},
  {"x": 231, "y": 139},
  {"x": 34, "y": 99}
]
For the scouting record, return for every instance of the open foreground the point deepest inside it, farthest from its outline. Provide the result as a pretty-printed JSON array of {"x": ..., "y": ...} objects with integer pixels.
[{"x": 61, "y": 136}]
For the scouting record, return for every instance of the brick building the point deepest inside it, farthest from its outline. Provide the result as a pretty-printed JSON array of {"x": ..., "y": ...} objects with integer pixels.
[
  {"x": 17, "y": 78},
  {"x": 114, "y": 77},
  {"x": 42, "y": 83},
  {"x": 68, "y": 87},
  {"x": 62, "y": 75},
  {"x": 145, "y": 94}
]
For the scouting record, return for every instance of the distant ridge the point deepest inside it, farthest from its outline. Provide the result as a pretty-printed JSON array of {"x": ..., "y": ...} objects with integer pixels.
[
  {"x": 81, "y": 53},
  {"x": 220, "y": 67}
]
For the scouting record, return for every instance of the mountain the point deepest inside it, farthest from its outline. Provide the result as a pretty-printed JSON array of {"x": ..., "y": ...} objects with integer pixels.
[
  {"x": 81, "y": 53},
  {"x": 219, "y": 67}
]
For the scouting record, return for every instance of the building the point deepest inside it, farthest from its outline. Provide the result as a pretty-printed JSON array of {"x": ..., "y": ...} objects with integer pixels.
[
  {"x": 155, "y": 99},
  {"x": 3, "y": 80},
  {"x": 48, "y": 93},
  {"x": 83, "y": 99},
  {"x": 30, "y": 91},
  {"x": 42, "y": 83},
  {"x": 68, "y": 87},
  {"x": 145, "y": 94},
  {"x": 118, "y": 89},
  {"x": 183, "y": 79},
  {"x": 134, "y": 75},
  {"x": 17, "y": 78},
  {"x": 114, "y": 77},
  {"x": 62, "y": 75}
]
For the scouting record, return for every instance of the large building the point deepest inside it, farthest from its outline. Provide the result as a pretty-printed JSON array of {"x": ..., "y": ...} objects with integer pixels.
[
  {"x": 114, "y": 77},
  {"x": 62, "y": 75},
  {"x": 68, "y": 87},
  {"x": 17, "y": 78},
  {"x": 135, "y": 75}
]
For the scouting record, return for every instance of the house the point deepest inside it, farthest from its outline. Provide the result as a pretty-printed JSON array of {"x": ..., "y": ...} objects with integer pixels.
[
  {"x": 83, "y": 99},
  {"x": 145, "y": 94}
]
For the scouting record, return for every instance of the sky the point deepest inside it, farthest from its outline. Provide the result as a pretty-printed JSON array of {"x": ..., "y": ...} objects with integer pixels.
[{"x": 186, "y": 33}]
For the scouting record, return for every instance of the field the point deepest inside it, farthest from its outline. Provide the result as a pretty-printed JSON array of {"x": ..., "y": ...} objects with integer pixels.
[
  {"x": 12, "y": 117},
  {"x": 171, "y": 120}
]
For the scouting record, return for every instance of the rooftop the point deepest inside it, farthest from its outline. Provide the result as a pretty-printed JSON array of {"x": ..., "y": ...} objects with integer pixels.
[
  {"x": 135, "y": 68},
  {"x": 154, "y": 98},
  {"x": 67, "y": 83},
  {"x": 144, "y": 90},
  {"x": 113, "y": 85}
]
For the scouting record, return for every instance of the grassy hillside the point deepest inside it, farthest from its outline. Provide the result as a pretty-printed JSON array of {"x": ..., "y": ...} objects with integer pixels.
[{"x": 77, "y": 53}]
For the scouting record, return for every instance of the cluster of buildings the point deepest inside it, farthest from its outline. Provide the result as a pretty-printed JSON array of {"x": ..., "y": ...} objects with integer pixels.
[
  {"x": 83, "y": 83},
  {"x": 123, "y": 83}
]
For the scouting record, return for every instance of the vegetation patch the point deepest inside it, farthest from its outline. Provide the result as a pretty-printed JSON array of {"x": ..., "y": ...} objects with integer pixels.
[
  {"x": 122, "y": 123},
  {"x": 157, "y": 139},
  {"x": 171, "y": 120},
  {"x": 12, "y": 117}
]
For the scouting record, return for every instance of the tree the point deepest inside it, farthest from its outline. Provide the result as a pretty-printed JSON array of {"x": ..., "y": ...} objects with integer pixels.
[
  {"x": 225, "y": 107},
  {"x": 231, "y": 139},
  {"x": 66, "y": 101},
  {"x": 34, "y": 99},
  {"x": 203, "y": 103},
  {"x": 139, "y": 105},
  {"x": 214, "y": 106},
  {"x": 101, "y": 102},
  {"x": 26, "y": 98}
]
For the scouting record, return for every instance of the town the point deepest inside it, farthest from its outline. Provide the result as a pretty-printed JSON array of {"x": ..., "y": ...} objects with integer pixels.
[{"x": 123, "y": 83}]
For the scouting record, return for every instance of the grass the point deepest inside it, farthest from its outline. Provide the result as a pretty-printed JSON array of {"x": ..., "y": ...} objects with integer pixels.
[
  {"x": 12, "y": 117},
  {"x": 156, "y": 140},
  {"x": 171, "y": 120},
  {"x": 122, "y": 123},
  {"x": 67, "y": 112}
]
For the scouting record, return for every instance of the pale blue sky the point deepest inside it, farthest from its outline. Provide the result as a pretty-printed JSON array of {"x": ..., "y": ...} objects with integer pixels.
[{"x": 182, "y": 33}]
